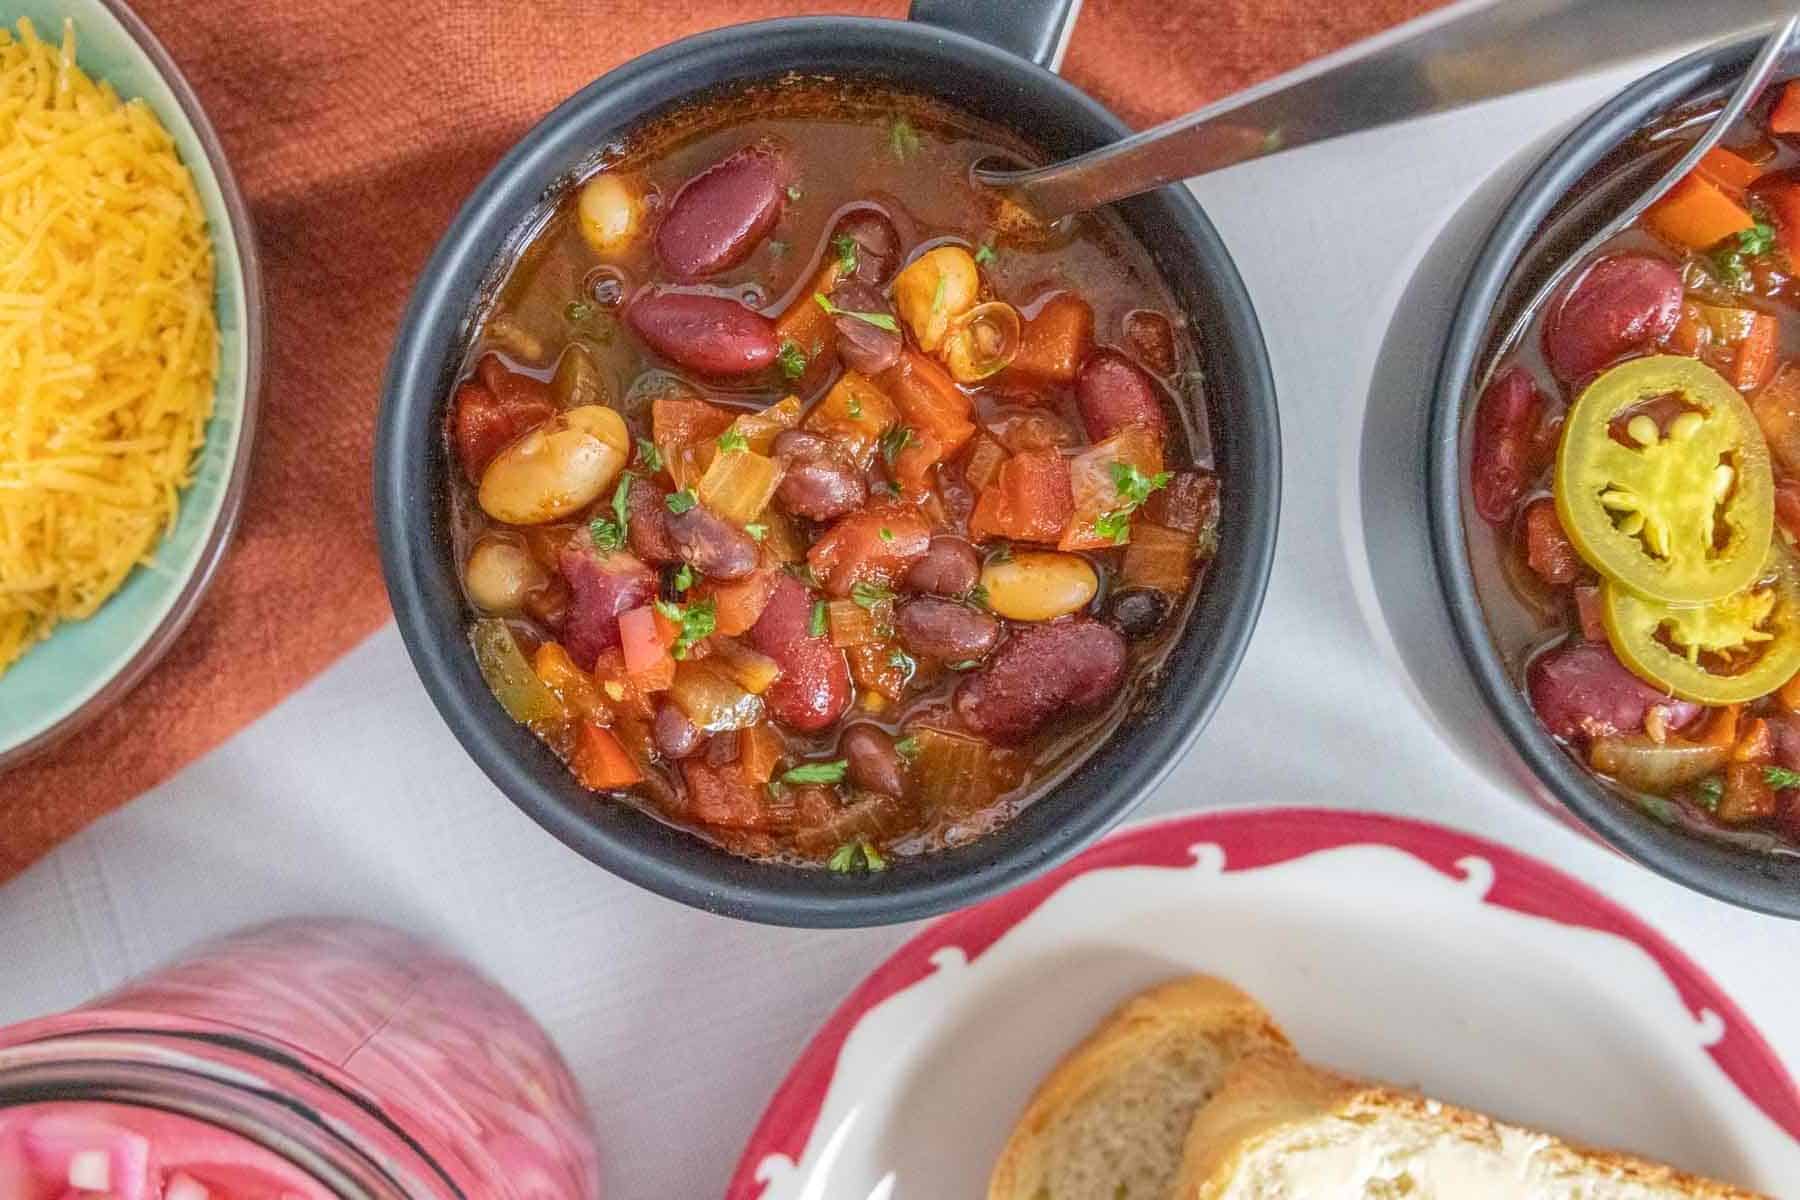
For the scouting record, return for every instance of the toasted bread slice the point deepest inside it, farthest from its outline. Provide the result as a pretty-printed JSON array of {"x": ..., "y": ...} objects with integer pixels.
[
  {"x": 1278, "y": 1128},
  {"x": 1110, "y": 1121}
]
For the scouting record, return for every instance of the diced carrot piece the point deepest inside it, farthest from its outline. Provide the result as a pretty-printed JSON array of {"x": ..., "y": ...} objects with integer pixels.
[
  {"x": 1786, "y": 116},
  {"x": 1777, "y": 409},
  {"x": 572, "y": 685},
  {"x": 876, "y": 668},
  {"x": 1722, "y": 726},
  {"x": 678, "y": 419},
  {"x": 807, "y": 325},
  {"x": 1054, "y": 340},
  {"x": 914, "y": 463},
  {"x": 928, "y": 400},
  {"x": 738, "y": 603},
  {"x": 760, "y": 750},
  {"x": 1697, "y": 214},
  {"x": 601, "y": 762},
  {"x": 1730, "y": 171},
  {"x": 1030, "y": 501},
  {"x": 855, "y": 412},
  {"x": 1754, "y": 744},
  {"x": 1755, "y": 354}
]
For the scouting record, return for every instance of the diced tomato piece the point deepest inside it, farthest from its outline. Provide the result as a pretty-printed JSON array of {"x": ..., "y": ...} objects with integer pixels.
[
  {"x": 601, "y": 761},
  {"x": 1548, "y": 550},
  {"x": 760, "y": 750},
  {"x": 1030, "y": 501},
  {"x": 1785, "y": 118},
  {"x": 1190, "y": 503},
  {"x": 1697, "y": 214},
  {"x": 1755, "y": 354},
  {"x": 483, "y": 421},
  {"x": 928, "y": 400},
  {"x": 874, "y": 546},
  {"x": 737, "y": 603},
  {"x": 1777, "y": 409},
  {"x": 723, "y": 796},
  {"x": 1733, "y": 172}
]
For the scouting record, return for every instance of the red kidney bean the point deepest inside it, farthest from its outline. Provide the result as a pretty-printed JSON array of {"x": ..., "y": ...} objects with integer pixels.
[
  {"x": 648, "y": 516},
  {"x": 1038, "y": 672},
  {"x": 814, "y": 687},
  {"x": 1620, "y": 304},
  {"x": 877, "y": 244},
  {"x": 719, "y": 216},
  {"x": 1152, "y": 339},
  {"x": 873, "y": 763},
  {"x": 601, "y": 586},
  {"x": 945, "y": 630},
  {"x": 950, "y": 568},
  {"x": 1114, "y": 393},
  {"x": 864, "y": 347},
  {"x": 713, "y": 335},
  {"x": 675, "y": 735},
  {"x": 1502, "y": 458},
  {"x": 1582, "y": 690},
  {"x": 712, "y": 545},
  {"x": 821, "y": 481}
]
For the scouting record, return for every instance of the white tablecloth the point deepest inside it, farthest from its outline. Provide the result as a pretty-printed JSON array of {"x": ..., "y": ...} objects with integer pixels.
[{"x": 353, "y": 797}]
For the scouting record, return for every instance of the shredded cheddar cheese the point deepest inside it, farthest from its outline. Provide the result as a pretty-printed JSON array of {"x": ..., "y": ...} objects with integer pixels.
[{"x": 108, "y": 347}]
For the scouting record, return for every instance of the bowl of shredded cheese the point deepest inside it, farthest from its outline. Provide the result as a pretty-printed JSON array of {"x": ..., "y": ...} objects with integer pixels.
[{"x": 130, "y": 352}]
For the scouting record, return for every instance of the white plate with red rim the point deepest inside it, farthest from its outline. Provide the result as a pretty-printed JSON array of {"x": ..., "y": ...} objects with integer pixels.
[{"x": 1385, "y": 947}]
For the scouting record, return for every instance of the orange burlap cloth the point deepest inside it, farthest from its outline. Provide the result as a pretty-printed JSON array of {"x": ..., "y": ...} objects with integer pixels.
[{"x": 356, "y": 130}]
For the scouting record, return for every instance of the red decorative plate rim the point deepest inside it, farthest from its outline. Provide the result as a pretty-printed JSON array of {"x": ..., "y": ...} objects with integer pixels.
[{"x": 1252, "y": 839}]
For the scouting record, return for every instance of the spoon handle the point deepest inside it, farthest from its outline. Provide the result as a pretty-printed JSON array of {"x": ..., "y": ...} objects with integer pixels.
[{"x": 1469, "y": 51}]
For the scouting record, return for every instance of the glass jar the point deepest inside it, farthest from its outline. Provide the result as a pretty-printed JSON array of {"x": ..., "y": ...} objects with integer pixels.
[{"x": 336, "y": 1058}]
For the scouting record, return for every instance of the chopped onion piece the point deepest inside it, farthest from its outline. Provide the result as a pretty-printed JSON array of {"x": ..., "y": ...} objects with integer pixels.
[
  {"x": 953, "y": 771},
  {"x": 739, "y": 485},
  {"x": 712, "y": 699},
  {"x": 853, "y": 625},
  {"x": 753, "y": 671}
]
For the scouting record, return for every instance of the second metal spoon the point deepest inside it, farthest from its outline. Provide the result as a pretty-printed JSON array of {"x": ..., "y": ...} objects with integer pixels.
[{"x": 1466, "y": 52}]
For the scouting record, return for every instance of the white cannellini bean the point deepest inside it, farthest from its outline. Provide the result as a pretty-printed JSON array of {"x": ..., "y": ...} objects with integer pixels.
[
  {"x": 501, "y": 575},
  {"x": 556, "y": 470},
  {"x": 610, "y": 212}
]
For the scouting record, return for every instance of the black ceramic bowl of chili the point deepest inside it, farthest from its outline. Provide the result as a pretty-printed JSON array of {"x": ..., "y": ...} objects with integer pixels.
[
  {"x": 796, "y": 530},
  {"x": 1616, "y": 495}
]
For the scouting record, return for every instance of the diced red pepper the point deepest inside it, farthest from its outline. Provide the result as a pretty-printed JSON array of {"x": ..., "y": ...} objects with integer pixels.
[{"x": 1587, "y": 611}]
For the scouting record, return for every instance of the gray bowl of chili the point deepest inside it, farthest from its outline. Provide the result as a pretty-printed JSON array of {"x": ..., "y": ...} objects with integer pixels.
[{"x": 411, "y": 474}]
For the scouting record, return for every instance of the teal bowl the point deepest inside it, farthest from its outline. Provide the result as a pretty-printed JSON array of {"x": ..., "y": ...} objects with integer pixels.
[{"x": 84, "y": 667}]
